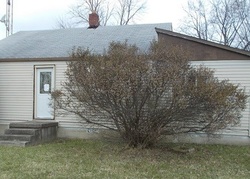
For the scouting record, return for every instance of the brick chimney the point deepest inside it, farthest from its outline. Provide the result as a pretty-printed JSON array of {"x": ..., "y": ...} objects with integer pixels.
[{"x": 93, "y": 20}]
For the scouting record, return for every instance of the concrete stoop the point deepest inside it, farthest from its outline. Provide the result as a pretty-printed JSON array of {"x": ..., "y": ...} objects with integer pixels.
[{"x": 29, "y": 133}]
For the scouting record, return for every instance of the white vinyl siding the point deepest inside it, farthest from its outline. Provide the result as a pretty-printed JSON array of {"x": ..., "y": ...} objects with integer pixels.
[
  {"x": 66, "y": 120},
  {"x": 237, "y": 72},
  {"x": 16, "y": 92},
  {"x": 16, "y": 89},
  {"x": 17, "y": 85}
]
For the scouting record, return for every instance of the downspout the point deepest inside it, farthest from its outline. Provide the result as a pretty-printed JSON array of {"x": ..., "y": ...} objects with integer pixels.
[{"x": 249, "y": 116}]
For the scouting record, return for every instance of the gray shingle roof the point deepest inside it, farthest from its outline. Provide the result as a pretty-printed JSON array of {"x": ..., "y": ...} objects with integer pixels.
[{"x": 59, "y": 43}]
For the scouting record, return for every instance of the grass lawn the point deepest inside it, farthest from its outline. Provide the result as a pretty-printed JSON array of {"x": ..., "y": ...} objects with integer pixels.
[{"x": 105, "y": 159}]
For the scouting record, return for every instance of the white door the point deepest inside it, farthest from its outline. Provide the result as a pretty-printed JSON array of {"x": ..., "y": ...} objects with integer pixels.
[{"x": 44, "y": 86}]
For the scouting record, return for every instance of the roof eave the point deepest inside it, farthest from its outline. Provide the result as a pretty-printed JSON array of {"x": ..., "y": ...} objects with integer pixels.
[{"x": 34, "y": 59}]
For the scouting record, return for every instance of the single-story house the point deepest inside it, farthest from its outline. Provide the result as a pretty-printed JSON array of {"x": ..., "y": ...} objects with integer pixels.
[
  {"x": 32, "y": 63},
  {"x": 228, "y": 63}
]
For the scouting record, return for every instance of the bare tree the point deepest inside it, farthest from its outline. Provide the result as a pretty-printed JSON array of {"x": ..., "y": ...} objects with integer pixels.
[
  {"x": 226, "y": 19},
  {"x": 244, "y": 31},
  {"x": 80, "y": 11},
  {"x": 143, "y": 96},
  {"x": 119, "y": 12},
  {"x": 128, "y": 9},
  {"x": 222, "y": 21},
  {"x": 196, "y": 23},
  {"x": 64, "y": 23}
]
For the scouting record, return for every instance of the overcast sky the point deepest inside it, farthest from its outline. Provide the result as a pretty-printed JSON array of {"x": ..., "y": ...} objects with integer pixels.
[{"x": 43, "y": 14}]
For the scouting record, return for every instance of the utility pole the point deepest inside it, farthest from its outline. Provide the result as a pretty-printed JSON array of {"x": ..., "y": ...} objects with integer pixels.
[{"x": 7, "y": 19}]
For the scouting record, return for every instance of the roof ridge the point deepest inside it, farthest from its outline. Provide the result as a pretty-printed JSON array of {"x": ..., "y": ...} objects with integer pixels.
[{"x": 108, "y": 26}]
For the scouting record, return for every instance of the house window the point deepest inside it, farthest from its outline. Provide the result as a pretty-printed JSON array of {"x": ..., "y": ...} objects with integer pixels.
[
  {"x": 192, "y": 78},
  {"x": 197, "y": 79}
]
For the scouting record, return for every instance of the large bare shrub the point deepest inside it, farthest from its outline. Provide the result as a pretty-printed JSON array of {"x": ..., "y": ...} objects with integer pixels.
[{"x": 146, "y": 95}]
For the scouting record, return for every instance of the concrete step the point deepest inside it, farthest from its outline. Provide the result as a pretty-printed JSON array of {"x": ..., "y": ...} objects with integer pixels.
[
  {"x": 33, "y": 124},
  {"x": 22, "y": 131},
  {"x": 9, "y": 137},
  {"x": 14, "y": 143},
  {"x": 29, "y": 133}
]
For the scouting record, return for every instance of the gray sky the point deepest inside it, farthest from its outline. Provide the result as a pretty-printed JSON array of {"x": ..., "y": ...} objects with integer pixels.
[{"x": 43, "y": 14}]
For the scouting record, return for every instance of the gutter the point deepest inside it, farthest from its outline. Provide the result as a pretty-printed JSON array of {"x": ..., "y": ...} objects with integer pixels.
[{"x": 34, "y": 59}]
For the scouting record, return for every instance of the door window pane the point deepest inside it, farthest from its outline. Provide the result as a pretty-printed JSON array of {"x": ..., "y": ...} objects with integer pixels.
[{"x": 45, "y": 82}]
